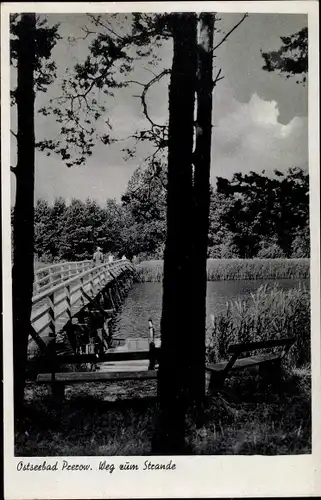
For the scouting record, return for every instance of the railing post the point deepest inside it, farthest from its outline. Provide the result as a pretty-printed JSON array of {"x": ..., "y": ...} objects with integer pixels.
[
  {"x": 114, "y": 306},
  {"x": 52, "y": 348},
  {"x": 68, "y": 301},
  {"x": 51, "y": 313},
  {"x": 91, "y": 285},
  {"x": 117, "y": 293},
  {"x": 82, "y": 297},
  {"x": 152, "y": 348},
  {"x": 37, "y": 287}
]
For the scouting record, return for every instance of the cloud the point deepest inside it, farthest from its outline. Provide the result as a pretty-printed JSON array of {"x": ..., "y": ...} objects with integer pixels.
[
  {"x": 246, "y": 136},
  {"x": 250, "y": 137}
]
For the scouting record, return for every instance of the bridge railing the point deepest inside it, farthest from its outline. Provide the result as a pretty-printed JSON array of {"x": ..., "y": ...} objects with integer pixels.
[
  {"x": 47, "y": 277},
  {"x": 58, "y": 303}
]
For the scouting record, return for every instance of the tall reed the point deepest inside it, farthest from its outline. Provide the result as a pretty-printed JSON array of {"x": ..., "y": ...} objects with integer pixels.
[
  {"x": 269, "y": 313},
  {"x": 235, "y": 269}
]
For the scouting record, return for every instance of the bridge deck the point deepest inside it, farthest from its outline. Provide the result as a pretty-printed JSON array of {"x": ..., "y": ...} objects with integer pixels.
[{"x": 53, "y": 306}]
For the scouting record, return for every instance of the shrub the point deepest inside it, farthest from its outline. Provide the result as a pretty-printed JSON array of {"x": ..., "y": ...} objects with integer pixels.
[
  {"x": 301, "y": 244},
  {"x": 271, "y": 252}
]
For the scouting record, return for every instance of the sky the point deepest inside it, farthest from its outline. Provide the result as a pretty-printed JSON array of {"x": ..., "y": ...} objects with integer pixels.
[{"x": 259, "y": 119}]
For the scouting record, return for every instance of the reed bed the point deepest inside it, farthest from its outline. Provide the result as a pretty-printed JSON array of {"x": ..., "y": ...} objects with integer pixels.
[
  {"x": 269, "y": 313},
  {"x": 235, "y": 269}
]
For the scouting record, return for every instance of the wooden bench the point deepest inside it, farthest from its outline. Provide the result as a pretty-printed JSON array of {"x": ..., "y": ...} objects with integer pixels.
[
  {"x": 267, "y": 363},
  {"x": 122, "y": 366},
  {"x": 60, "y": 380}
]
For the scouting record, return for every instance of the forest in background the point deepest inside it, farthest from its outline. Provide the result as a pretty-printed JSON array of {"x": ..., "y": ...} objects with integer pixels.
[{"x": 251, "y": 215}]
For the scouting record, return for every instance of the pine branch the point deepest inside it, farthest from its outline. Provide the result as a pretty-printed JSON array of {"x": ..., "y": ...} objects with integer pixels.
[
  {"x": 98, "y": 22},
  {"x": 225, "y": 37},
  {"x": 147, "y": 86},
  {"x": 218, "y": 77}
]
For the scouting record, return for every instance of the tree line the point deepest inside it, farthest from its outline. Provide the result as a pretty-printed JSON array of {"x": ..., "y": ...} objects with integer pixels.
[{"x": 251, "y": 215}]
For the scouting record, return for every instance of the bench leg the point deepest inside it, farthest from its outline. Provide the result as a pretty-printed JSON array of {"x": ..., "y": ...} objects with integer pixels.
[
  {"x": 152, "y": 356},
  {"x": 58, "y": 391},
  {"x": 216, "y": 381},
  {"x": 272, "y": 371}
]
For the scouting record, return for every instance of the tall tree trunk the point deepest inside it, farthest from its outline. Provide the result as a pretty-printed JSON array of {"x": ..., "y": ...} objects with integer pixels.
[
  {"x": 201, "y": 196},
  {"x": 176, "y": 332},
  {"x": 23, "y": 228}
]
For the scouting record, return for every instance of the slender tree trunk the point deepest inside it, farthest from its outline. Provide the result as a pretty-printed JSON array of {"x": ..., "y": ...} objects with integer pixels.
[
  {"x": 23, "y": 228},
  {"x": 176, "y": 331},
  {"x": 201, "y": 195}
]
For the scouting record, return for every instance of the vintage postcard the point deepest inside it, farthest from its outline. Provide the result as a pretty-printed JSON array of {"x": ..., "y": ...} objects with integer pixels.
[{"x": 161, "y": 249}]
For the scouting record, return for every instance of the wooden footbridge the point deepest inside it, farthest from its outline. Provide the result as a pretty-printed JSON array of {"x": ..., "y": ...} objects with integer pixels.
[{"x": 64, "y": 291}]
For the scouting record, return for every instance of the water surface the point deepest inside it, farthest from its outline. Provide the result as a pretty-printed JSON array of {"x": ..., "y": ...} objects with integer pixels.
[{"x": 144, "y": 301}]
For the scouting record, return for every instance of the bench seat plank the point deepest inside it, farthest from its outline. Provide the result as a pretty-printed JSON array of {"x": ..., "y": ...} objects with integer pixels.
[
  {"x": 243, "y": 362},
  {"x": 79, "y": 377}
]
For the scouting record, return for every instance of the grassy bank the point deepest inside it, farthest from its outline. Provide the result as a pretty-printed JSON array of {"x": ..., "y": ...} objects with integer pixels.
[
  {"x": 251, "y": 418},
  {"x": 235, "y": 269},
  {"x": 269, "y": 313}
]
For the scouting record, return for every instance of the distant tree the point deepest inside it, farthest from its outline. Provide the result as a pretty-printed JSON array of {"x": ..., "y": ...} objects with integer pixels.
[
  {"x": 82, "y": 230},
  {"x": 145, "y": 200},
  {"x": 291, "y": 59},
  {"x": 261, "y": 207},
  {"x": 57, "y": 215},
  {"x": 48, "y": 223},
  {"x": 44, "y": 244},
  {"x": 94, "y": 219},
  {"x": 118, "y": 222},
  {"x": 146, "y": 192},
  {"x": 220, "y": 238}
]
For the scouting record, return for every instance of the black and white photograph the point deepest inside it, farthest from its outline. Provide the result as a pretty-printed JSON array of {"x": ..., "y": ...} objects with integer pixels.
[{"x": 160, "y": 247}]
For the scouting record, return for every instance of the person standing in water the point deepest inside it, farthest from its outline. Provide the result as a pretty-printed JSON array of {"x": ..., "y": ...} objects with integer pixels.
[{"x": 98, "y": 257}]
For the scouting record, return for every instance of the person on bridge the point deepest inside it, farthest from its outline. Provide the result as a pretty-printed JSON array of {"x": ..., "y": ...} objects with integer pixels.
[{"x": 98, "y": 257}]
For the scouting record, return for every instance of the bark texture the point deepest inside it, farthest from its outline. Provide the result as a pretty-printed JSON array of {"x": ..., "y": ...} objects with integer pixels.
[
  {"x": 201, "y": 198},
  {"x": 23, "y": 228},
  {"x": 176, "y": 330}
]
